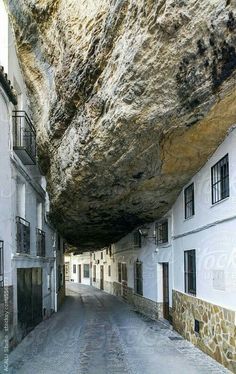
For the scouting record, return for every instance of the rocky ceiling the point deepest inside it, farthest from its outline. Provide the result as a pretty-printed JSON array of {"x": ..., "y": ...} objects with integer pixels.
[{"x": 129, "y": 98}]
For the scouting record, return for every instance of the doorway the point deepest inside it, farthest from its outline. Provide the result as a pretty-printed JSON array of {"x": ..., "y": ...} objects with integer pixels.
[
  {"x": 101, "y": 277},
  {"x": 166, "y": 314},
  {"x": 79, "y": 274}
]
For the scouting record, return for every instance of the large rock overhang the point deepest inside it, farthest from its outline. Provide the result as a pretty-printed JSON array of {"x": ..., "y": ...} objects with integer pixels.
[{"x": 129, "y": 98}]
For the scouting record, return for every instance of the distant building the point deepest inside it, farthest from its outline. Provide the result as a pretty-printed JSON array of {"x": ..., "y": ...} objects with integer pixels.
[
  {"x": 78, "y": 268},
  {"x": 31, "y": 252}
]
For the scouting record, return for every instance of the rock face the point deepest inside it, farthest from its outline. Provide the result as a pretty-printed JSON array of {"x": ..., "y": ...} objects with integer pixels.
[{"x": 129, "y": 98}]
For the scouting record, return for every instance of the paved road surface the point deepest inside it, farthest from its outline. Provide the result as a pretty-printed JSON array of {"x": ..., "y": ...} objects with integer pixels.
[{"x": 96, "y": 333}]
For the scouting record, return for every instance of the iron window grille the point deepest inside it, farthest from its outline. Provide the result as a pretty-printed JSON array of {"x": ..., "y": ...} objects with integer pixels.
[
  {"x": 220, "y": 180},
  {"x": 86, "y": 270},
  {"x": 74, "y": 269},
  {"x": 189, "y": 201},
  {"x": 23, "y": 235},
  {"x": 1, "y": 263},
  {"x": 94, "y": 273},
  {"x": 137, "y": 239},
  {"x": 40, "y": 243},
  {"x": 162, "y": 232},
  {"x": 24, "y": 137},
  {"x": 138, "y": 271},
  {"x": 190, "y": 271}
]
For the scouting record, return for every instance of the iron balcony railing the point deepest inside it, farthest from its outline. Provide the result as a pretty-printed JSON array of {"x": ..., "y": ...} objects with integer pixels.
[
  {"x": 23, "y": 235},
  {"x": 24, "y": 137},
  {"x": 40, "y": 243},
  {"x": 1, "y": 264}
]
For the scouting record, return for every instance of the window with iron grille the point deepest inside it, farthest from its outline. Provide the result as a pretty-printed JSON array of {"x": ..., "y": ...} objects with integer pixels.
[
  {"x": 86, "y": 270},
  {"x": 109, "y": 270},
  {"x": 138, "y": 271},
  {"x": 23, "y": 235},
  {"x": 162, "y": 232},
  {"x": 94, "y": 273},
  {"x": 1, "y": 265},
  {"x": 74, "y": 269},
  {"x": 189, "y": 201},
  {"x": 101, "y": 255},
  {"x": 190, "y": 271},
  {"x": 137, "y": 239},
  {"x": 220, "y": 180}
]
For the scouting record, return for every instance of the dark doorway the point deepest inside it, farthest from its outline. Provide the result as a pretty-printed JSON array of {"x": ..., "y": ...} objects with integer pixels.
[
  {"x": 29, "y": 298},
  {"x": 166, "y": 314},
  {"x": 101, "y": 277},
  {"x": 79, "y": 274}
]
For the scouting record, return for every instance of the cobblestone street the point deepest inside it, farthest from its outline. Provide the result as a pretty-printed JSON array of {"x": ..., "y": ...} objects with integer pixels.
[{"x": 96, "y": 333}]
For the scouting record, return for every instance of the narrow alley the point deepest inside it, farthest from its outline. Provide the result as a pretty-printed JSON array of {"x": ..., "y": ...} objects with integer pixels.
[{"x": 96, "y": 333}]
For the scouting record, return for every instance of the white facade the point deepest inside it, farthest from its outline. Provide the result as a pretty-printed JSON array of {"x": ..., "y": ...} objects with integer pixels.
[
  {"x": 23, "y": 198},
  {"x": 79, "y": 269}
]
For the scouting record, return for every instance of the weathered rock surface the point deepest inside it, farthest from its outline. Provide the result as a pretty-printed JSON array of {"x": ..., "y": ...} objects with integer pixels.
[{"x": 130, "y": 98}]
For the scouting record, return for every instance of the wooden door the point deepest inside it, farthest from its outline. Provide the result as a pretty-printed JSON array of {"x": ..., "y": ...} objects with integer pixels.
[
  {"x": 79, "y": 274},
  {"x": 166, "y": 291},
  {"x": 101, "y": 277}
]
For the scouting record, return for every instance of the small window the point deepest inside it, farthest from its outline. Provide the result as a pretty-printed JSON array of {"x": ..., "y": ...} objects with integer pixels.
[
  {"x": 94, "y": 256},
  {"x": 74, "y": 269},
  {"x": 138, "y": 271},
  {"x": 86, "y": 270},
  {"x": 197, "y": 326},
  {"x": 190, "y": 271},
  {"x": 124, "y": 274},
  {"x": 109, "y": 270},
  {"x": 137, "y": 239},
  {"x": 119, "y": 272},
  {"x": 94, "y": 273},
  {"x": 101, "y": 255},
  {"x": 220, "y": 180},
  {"x": 162, "y": 232},
  {"x": 106, "y": 251},
  {"x": 189, "y": 201}
]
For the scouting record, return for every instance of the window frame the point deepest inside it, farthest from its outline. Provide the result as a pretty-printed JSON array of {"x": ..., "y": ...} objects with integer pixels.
[
  {"x": 190, "y": 273},
  {"x": 138, "y": 280},
  {"x": 86, "y": 271},
  {"x": 159, "y": 225},
  {"x": 217, "y": 194},
  {"x": 190, "y": 202}
]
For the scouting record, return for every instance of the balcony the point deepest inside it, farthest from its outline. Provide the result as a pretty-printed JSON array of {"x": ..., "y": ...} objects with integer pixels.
[
  {"x": 23, "y": 235},
  {"x": 40, "y": 243},
  {"x": 24, "y": 137}
]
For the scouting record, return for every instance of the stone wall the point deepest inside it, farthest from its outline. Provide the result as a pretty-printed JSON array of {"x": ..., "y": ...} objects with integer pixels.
[
  {"x": 217, "y": 330},
  {"x": 6, "y": 319}
]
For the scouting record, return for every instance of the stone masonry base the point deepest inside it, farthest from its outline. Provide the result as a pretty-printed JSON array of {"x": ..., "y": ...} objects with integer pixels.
[{"x": 217, "y": 330}]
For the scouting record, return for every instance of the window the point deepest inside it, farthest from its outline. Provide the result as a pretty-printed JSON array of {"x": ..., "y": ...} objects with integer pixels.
[
  {"x": 101, "y": 255},
  {"x": 106, "y": 251},
  {"x": 86, "y": 270},
  {"x": 94, "y": 273},
  {"x": 94, "y": 256},
  {"x": 74, "y": 269},
  {"x": 109, "y": 270},
  {"x": 162, "y": 232},
  {"x": 197, "y": 326},
  {"x": 138, "y": 271},
  {"x": 1, "y": 265},
  {"x": 189, "y": 201},
  {"x": 220, "y": 180},
  {"x": 190, "y": 271},
  {"x": 137, "y": 239},
  {"x": 119, "y": 272}
]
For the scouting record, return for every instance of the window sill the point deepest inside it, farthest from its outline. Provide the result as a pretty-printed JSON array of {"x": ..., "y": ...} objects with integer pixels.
[
  {"x": 187, "y": 219},
  {"x": 219, "y": 202}
]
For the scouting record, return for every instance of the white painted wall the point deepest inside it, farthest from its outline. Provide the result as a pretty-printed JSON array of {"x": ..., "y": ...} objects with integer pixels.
[{"x": 80, "y": 260}]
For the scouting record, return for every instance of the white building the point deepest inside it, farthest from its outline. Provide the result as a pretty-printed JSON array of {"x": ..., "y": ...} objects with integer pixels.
[
  {"x": 78, "y": 268},
  {"x": 183, "y": 267},
  {"x": 31, "y": 254}
]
